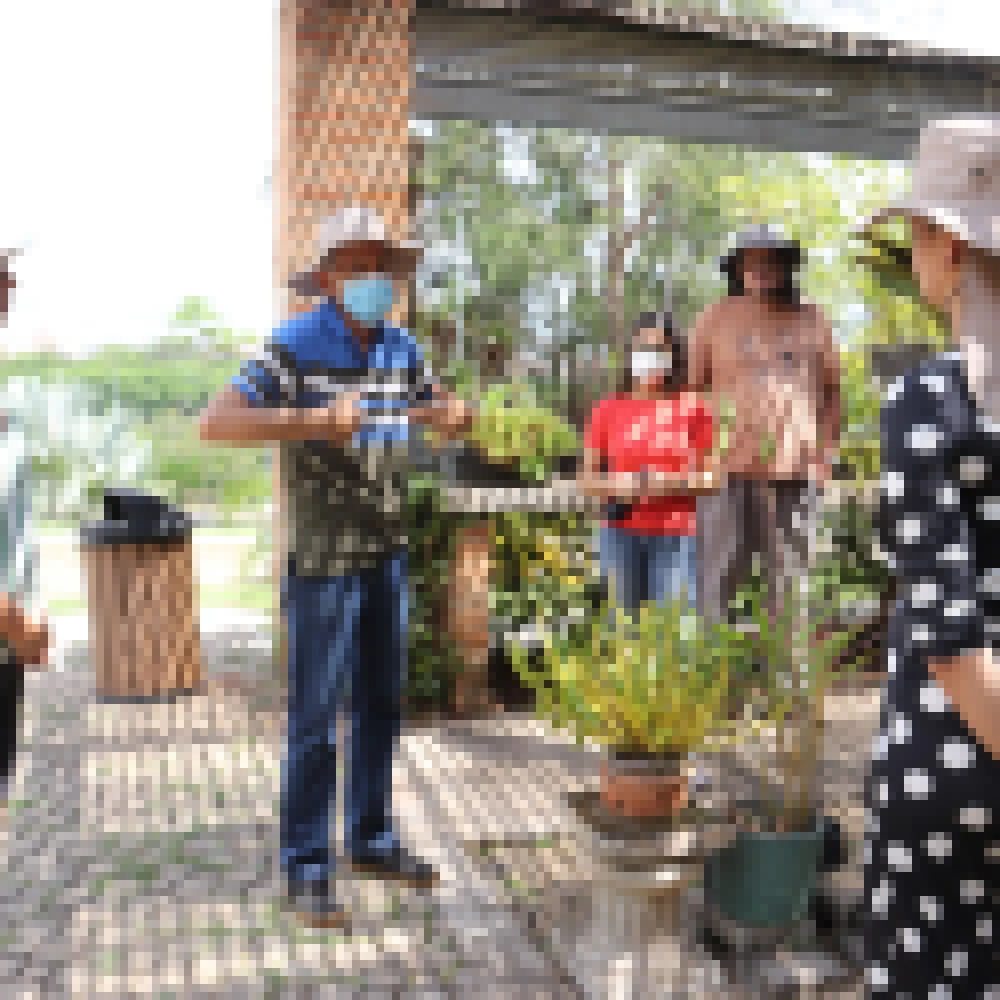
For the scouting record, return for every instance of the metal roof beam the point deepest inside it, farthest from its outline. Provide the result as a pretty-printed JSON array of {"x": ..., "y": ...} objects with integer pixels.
[{"x": 608, "y": 74}]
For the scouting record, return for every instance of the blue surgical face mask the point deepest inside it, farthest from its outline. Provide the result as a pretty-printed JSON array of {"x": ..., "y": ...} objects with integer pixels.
[{"x": 368, "y": 299}]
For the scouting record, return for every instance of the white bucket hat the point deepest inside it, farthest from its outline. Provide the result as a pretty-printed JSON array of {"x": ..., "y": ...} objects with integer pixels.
[
  {"x": 354, "y": 224},
  {"x": 956, "y": 185}
]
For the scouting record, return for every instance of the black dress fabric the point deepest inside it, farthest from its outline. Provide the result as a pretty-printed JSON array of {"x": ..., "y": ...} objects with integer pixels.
[
  {"x": 932, "y": 850},
  {"x": 11, "y": 699}
]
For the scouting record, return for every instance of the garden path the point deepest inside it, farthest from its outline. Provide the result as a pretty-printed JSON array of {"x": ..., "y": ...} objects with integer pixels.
[{"x": 142, "y": 846}]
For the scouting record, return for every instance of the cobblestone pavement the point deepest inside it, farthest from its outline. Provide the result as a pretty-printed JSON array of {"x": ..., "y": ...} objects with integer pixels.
[
  {"x": 142, "y": 862},
  {"x": 142, "y": 849}
]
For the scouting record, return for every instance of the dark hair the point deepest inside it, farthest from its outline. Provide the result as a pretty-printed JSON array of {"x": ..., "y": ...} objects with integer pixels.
[
  {"x": 790, "y": 259},
  {"x": 663, "y": 322}
]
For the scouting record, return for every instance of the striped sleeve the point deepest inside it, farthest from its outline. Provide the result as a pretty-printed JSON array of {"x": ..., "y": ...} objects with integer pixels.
[
  {"x": 264, "y": 379},
  {"x": 424, "y": 384}
]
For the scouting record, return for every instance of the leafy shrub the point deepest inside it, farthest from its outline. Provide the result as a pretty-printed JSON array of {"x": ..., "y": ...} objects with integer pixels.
[
  {"x": 654, "y": 682},
  {"x": 433, "y": 661},
  {"x": 511, "y": 428}
]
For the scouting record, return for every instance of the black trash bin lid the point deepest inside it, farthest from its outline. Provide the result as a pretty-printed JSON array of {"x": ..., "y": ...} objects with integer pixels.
[
  {"x": 132, "y": 505},
  {"x": 131, "y": 516}
]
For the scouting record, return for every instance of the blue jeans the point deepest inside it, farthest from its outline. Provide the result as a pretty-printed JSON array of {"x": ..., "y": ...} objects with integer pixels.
[
  {"x": 342, "y": 629},
  {"x": 641, "y": 568}
]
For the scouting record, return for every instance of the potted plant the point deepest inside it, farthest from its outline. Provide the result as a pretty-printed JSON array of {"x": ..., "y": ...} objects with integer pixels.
[
  {"x": 650, "y": 688},
  {"x": 767, "y": 876},
  {"x": 513, "y": 440}
]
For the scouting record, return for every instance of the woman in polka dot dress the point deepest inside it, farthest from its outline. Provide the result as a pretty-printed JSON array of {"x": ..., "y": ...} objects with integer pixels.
[{"x": 932, "y": 842}]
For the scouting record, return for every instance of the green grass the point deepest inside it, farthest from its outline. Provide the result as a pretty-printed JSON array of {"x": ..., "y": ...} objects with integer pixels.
[{"x": 248, "y": 596}]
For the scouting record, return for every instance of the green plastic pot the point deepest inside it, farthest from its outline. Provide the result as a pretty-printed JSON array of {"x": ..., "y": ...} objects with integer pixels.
[{"x": 766, "y": 880}]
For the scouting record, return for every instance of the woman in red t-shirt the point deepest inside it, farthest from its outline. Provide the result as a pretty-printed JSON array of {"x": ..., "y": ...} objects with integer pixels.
[{"x": 648, "y": 454}]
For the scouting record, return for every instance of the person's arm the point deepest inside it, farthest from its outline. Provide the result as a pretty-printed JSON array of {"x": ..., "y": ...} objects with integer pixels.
[
  {"x": 830, "y": 398},
  {"x": 926, "y": 532},
  {"x": 445, "y": 413},
  {"x": 255, "y": 407},
  {"x": 700, "y": 339},
  {"x": 702, "y": 474},
  {"x": 594, "y": 481},
  {"x": 29, "y": 639},
  {"x": 972, "y": 683},
  {"x": 593, "y": 478},
  {"x": 231, "y": 418}
]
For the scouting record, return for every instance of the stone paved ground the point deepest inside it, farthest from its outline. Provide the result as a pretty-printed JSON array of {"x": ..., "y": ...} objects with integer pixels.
[
  {"x": 142, "y": 849},
  {"x": 142, "y": 855}
]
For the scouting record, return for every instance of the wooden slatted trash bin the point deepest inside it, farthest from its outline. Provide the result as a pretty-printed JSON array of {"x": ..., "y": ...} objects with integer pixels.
[{"x": 140, "y": 582}]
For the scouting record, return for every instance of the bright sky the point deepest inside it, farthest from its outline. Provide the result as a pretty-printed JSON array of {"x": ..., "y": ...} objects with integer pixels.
[
  {"x": 964, "y": 25},
  {"x": 137, "y": 139}
]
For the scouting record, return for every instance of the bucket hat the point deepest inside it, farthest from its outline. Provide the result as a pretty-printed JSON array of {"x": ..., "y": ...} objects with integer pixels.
[
  {"x": 761, "y": 237},
  {"x": 354, "y": 224},
  {"x": 956, "y": 185}
]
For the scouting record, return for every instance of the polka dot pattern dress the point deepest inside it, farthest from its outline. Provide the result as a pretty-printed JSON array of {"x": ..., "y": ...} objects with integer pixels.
[{"x": 932, "y": 847}]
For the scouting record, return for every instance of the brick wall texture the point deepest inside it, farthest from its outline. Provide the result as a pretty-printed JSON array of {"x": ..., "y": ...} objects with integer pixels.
[{"x": 344, "y": 83}]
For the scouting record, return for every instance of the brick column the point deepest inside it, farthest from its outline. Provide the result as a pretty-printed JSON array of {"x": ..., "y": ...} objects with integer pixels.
[
  {"x": 344, "y": 129},
  {"x": 343, "y": 132}
]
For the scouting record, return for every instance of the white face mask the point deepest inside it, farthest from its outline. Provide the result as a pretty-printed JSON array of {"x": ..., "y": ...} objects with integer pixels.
[{"x": 646, "y": 363}]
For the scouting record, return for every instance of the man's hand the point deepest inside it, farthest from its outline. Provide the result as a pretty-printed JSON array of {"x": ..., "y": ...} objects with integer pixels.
[
  {"x": 446, "y": 414},
  {"x": 33, "y": 646},
  {"x": 821, "y": 470},
  {"x": 337, "y": 422},
  {"x": 819, "y": 473}
]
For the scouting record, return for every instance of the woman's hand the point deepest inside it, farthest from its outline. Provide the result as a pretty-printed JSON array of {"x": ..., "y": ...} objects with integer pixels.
[
  {"x": 972, "y": 683},
  {"x": 662, "y": 484}
]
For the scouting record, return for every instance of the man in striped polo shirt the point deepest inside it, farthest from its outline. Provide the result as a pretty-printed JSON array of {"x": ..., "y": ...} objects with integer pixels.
[{"x": 338, "y": 388}]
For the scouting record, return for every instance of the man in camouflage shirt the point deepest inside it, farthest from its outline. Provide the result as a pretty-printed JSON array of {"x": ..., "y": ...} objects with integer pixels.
[{"x": 338, "y": 388}]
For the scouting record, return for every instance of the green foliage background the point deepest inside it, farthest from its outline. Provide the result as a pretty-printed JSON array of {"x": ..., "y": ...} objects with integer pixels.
[
  {"x": 164, "y": 386},
  {"x": 528, "y": 210}
]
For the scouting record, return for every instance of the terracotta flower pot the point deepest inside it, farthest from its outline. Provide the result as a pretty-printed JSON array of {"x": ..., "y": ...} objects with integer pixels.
[{"x": 643, "y": 786}]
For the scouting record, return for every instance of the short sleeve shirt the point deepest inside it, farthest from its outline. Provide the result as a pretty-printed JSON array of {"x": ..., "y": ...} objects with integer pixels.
[
  {"x": 346, "y": 504},
  {"x": 18, "y": 549},
  {"x": 662, "y": 435},
  {"x": 774, "y": 381}
]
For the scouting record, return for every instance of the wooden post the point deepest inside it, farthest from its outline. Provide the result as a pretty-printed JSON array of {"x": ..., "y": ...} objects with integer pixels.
[{"x": 469, "y": 615}]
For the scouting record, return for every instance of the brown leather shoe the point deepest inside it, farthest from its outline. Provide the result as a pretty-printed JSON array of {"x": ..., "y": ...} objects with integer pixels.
[
  {"x": 396, "y": 865},
  {"x": 314, "y": 905}
]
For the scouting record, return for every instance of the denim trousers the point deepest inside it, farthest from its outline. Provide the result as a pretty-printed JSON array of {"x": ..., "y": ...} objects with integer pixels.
[
  {"x": 344, "y": 633},
  {"x": 641, "y": 568}
]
